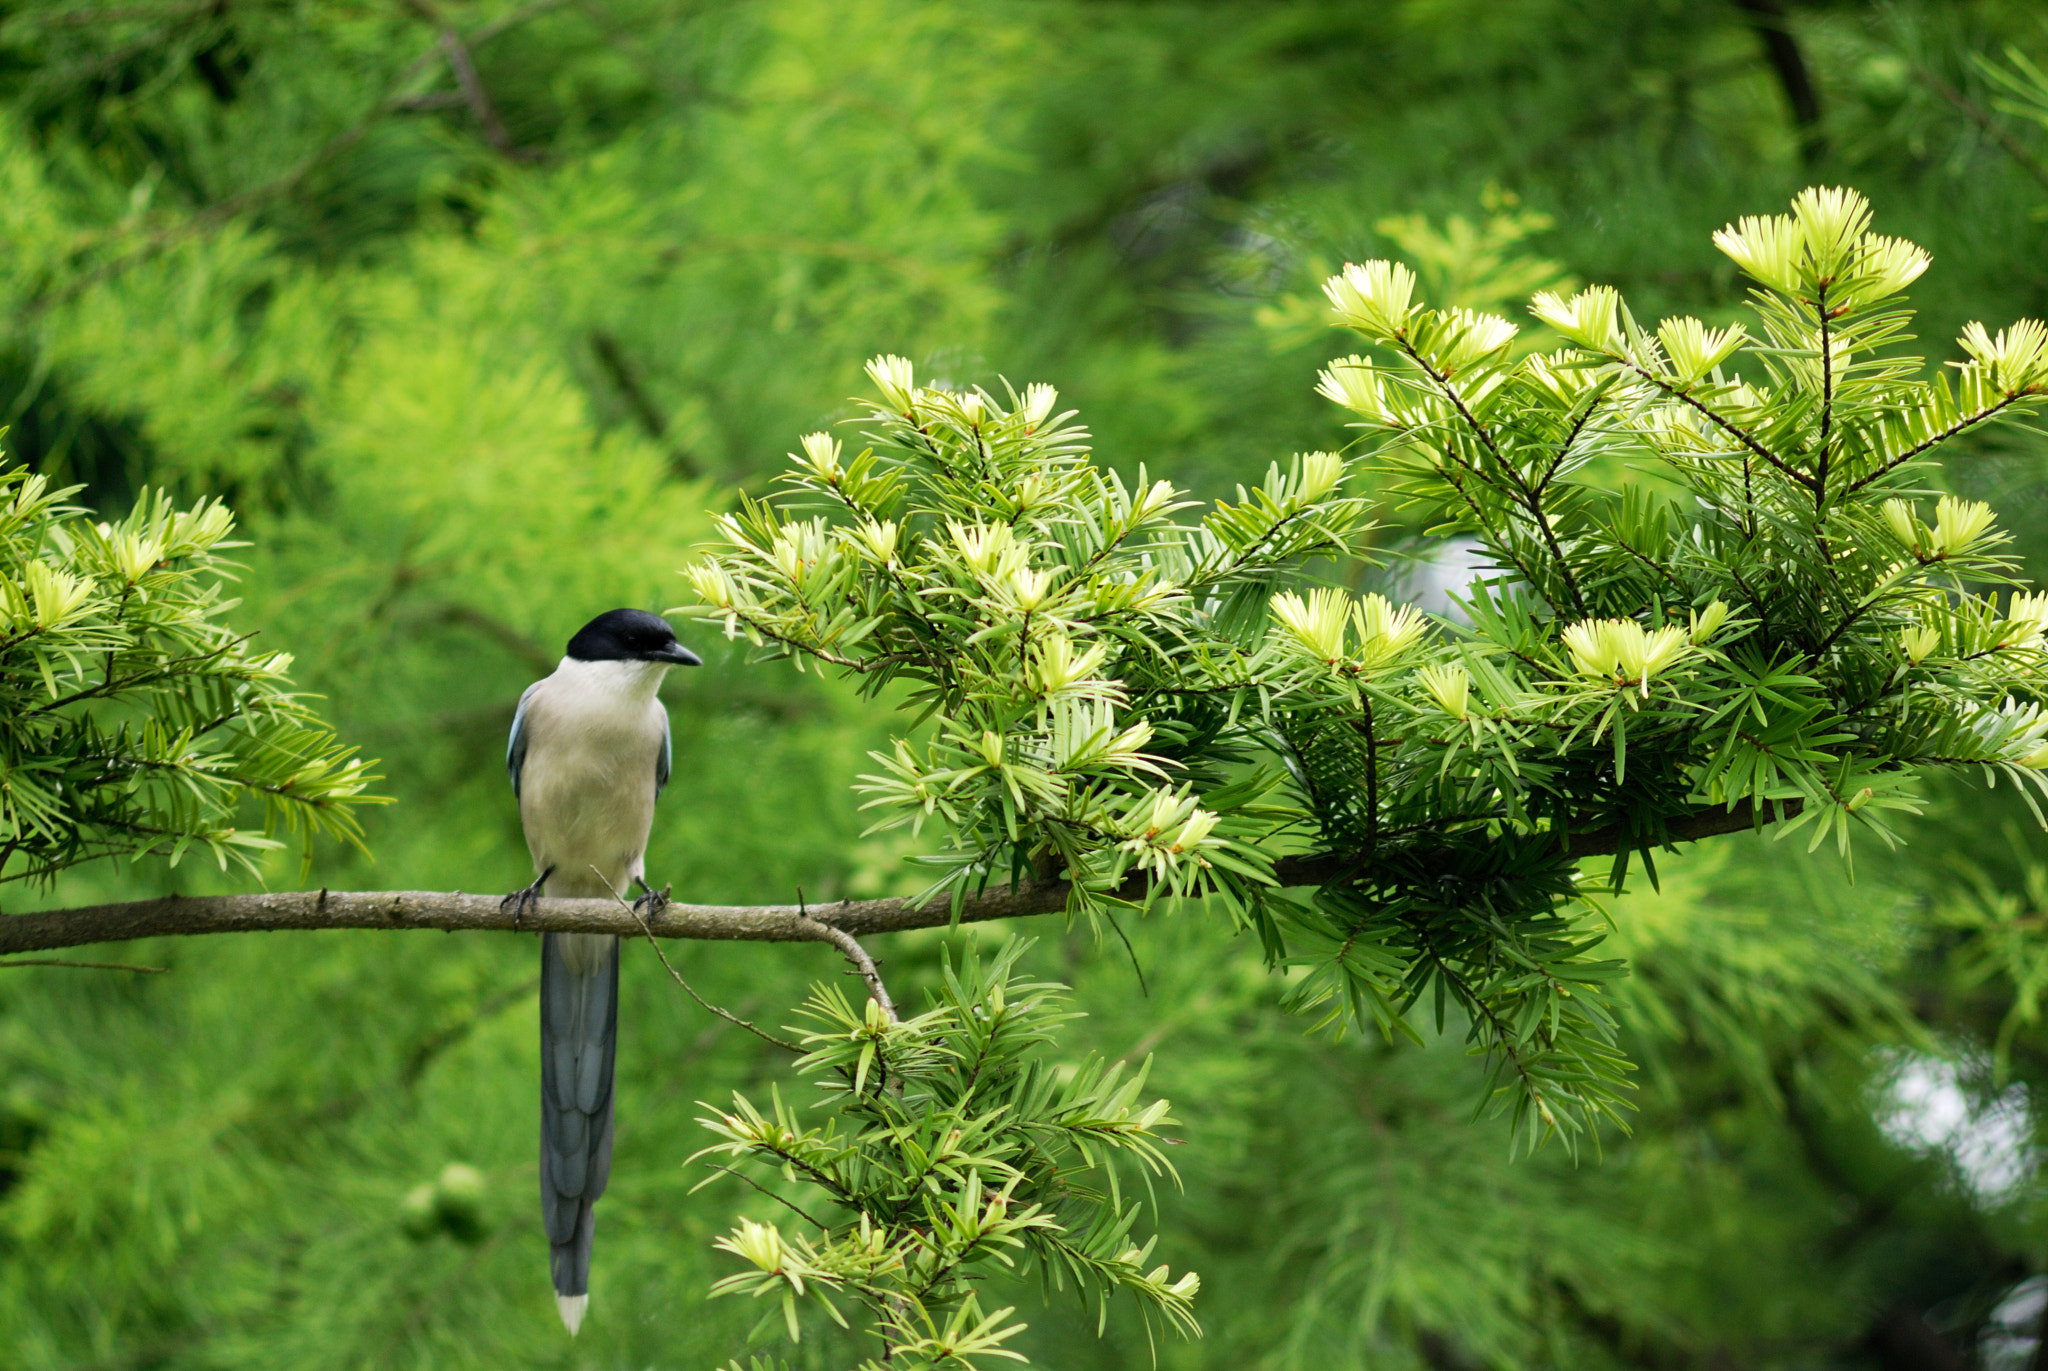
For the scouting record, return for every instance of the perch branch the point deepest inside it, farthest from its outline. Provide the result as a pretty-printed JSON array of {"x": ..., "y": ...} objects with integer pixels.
[{"x": 175, "y": 915}]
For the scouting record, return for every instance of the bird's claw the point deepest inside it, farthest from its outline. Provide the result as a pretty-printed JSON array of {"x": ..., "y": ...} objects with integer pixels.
[
  {"x": 520, "y": 901},
  {"x": 652, "y": 902}
]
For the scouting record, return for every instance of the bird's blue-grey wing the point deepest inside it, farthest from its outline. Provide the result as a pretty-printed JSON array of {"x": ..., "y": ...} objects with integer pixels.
[
  {"x": 515, "y": 746},
  {"x": 666, "y": 759}
]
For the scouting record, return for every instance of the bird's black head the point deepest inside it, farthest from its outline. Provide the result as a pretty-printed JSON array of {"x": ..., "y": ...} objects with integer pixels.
[{"x": 630, "y": 635}]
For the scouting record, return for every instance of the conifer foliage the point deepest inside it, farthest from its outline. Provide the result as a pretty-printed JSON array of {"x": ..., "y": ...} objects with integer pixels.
[
  {"x": 1763, "y": 626},
  {"x": 954, "y": 1149},
  {"x": 133, "y": 721}
]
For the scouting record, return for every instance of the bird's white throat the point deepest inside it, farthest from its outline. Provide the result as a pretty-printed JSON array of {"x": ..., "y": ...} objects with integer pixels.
[{"x": 625, "y": 680}]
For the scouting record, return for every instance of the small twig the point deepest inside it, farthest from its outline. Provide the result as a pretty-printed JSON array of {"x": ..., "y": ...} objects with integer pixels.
[
  {"x": 85, "y": 966},
  {"x": 1130, "y": 952},
  {"x": 701, "y": 1044},
  {"x": 677, "y": 976},
  {"x": 530, "y": 654},
  {"x": 790, "y": 1204},
  {"x": 421, "y": 1057},
  {"x": 1158, "y": 1035},
  {"x": 855, "y": 953},
  {"x": 626, "y": 381}
]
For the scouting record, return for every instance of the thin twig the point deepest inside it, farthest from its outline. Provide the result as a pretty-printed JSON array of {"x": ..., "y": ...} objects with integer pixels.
[
  {"x": 1827, "y": 407},
  {"x": 1977, "y": 115},
  {"x": 472, "y": 86},
  {"x": 1935, "y": 440},
  {"x": 84, "y": 966},
  {"x": 689, "y": 989},
  {"x": 617, "y": 366},
  {"x": 1130, "y": 952},
  {"x": 1726, "y": 426},
  {"x": 1531, "y": 499},
  {"x": 779, "y": 1199},
  {"x": 421, "y": 1057}
]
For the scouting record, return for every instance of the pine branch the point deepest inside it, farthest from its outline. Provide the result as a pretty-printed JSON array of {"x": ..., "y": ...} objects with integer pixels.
[{"x": 1732, "y": 430}]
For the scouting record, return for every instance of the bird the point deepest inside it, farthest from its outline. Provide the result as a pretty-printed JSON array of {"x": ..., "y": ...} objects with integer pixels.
[{"x": 589, "y": 754}]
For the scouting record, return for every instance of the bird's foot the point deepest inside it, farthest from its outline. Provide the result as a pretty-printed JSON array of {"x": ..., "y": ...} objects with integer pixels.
[
  {"x": 520, "y": 901},
  {"x": 651, "y": 901}
]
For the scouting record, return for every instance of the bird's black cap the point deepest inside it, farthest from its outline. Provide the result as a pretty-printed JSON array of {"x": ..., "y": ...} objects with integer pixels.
[{"x": 630, "y": 635}]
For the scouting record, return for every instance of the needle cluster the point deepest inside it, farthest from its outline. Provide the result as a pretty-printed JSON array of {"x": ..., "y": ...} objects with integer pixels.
[
  {"x": 952, "y": 1149},
  {"x": 1761, "y": 619},
  {"x": 133, "y": 721}
]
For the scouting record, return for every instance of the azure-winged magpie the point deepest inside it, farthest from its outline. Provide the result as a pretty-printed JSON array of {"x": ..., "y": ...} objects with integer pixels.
[{"x": 588, "y": 756}]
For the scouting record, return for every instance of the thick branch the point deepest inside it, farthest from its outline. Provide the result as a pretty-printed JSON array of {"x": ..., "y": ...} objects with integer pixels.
[{"x": 175, "y": 915}]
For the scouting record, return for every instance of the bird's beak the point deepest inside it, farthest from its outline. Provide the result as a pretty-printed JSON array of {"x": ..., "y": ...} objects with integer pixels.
[{"x": 675, "y": 654}]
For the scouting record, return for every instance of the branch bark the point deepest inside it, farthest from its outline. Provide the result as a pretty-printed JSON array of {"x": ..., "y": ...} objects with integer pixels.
[
  {"x": 177, "y": 916},
  {"x": 850, "y": 947}
]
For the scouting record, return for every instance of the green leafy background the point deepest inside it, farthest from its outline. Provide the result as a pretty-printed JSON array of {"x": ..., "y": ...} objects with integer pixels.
[{"x": 470, "y": 374}]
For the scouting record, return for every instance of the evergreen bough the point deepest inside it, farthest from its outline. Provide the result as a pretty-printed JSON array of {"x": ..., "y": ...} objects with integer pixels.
[
  {"x": 133, "y": 721},
  {"x": 954, "y": 1147},
  {"x": 1761, "y": 626},
  {"x": 1760, "y": 623}
]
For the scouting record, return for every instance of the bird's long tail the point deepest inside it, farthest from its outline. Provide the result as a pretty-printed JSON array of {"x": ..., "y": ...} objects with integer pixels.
[{"x": 579, "y": 1035}]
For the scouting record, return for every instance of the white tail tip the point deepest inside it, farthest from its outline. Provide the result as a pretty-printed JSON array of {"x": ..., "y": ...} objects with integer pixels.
[{"x": 572, "y": 1307}]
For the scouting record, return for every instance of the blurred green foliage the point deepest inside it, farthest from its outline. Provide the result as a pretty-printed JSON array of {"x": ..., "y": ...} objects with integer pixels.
[{"x": 473, "y": 358}]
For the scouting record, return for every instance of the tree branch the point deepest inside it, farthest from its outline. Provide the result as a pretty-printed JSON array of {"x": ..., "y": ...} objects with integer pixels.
[
  {"x": 850, "y": 947},
  {"x": 1768, "y": 19},
  {"x": 204, "y": 221},
  {"x": 179, "y": 916},
  {"x": 626, "y": 380},
  {"x": 1977, "y": 115},
  {"x": 463, "y": 66}
]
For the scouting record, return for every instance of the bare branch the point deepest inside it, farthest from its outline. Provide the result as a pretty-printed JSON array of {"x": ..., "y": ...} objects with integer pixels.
[{"x": 305, "y": 911}]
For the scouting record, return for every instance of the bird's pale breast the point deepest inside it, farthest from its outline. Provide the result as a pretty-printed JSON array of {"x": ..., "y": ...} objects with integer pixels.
[{"x": 586, "y": 795}]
